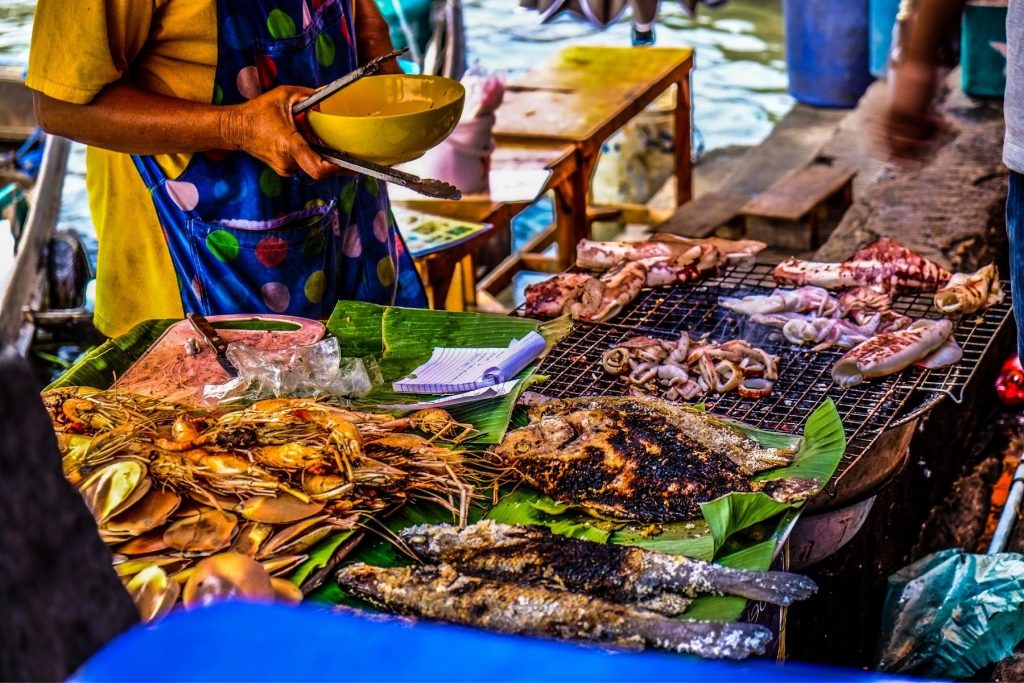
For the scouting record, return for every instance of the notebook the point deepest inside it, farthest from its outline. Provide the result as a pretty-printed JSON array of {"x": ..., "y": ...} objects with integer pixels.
[
  {"x": 452, "y": 370},
  {"x": 487, "y": 393}
]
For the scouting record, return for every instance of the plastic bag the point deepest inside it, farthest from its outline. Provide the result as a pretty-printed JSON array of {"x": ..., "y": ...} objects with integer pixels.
[
  {"x": 952, "y": 613},
  {"x": 464, "y": 159},
  {"x": 302, "y": 371}
]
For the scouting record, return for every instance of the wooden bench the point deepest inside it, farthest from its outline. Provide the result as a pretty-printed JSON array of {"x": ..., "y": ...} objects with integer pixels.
[
  {"x": 704, "y": 215},
  {"x": 800, "y": 208}
]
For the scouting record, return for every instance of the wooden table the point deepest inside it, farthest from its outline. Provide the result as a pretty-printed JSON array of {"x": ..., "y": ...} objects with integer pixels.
[
  {"x": 582, "y": 96},
  {"x": 559, "y": 159},
  {"x": 440, "y": 269}
]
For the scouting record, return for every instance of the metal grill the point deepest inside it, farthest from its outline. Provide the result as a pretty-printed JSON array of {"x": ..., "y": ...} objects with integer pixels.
[{"x": 867, "y": 410}]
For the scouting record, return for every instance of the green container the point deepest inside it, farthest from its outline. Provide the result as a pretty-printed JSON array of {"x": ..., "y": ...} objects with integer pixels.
[
  {"x": 417, "y": 17},
  {"x": 983, "y": 48}
]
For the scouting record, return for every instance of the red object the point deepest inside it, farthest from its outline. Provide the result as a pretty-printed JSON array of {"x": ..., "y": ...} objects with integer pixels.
[{"x": 1010, "y": 383}]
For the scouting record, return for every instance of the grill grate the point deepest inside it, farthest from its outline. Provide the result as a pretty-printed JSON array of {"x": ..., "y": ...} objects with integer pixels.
[{"x": 867, "y": 410}]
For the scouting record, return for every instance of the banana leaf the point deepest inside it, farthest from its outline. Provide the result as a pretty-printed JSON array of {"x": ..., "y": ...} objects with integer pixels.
[
  {"x": 404, "y": 338},
  {"x": 102, "y": 365}
]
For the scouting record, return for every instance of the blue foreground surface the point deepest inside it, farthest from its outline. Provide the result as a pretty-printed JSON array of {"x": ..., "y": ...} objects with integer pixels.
[{"x": 248, "y": 642}]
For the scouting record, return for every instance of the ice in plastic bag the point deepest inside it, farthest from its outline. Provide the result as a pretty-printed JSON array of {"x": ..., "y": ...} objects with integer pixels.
[{"x": 299, "y": 372}]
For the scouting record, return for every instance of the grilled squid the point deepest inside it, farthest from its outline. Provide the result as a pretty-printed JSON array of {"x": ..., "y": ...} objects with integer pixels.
[
  {"x": 884, "y": 264},
  {"x": 970, "y": 292},
  {"x": 683, "y": 369},
  {"x": 928, "y": 343}
]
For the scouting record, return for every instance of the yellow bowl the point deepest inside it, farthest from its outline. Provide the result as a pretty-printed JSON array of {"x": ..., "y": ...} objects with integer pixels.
[{"x": 390, "y": 119}]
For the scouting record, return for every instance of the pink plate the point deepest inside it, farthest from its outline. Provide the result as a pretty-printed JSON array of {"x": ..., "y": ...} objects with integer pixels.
[{"x": 168, "y": 372}]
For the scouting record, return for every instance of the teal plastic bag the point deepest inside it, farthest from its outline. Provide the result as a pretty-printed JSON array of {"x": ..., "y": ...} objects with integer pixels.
[{"x": 952, "y": 613}]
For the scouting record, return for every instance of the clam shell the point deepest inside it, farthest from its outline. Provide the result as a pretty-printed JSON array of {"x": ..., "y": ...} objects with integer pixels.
[
  {"x": 286, "y": 591},
  {"x": 203, "y": 532},
  {"x": 283, "y": 509},
  {"x": 114, "y": 487},
  {"x": 283, "y": 564},
  {"x": 227, "y": 576},
  {"x": 148, "y": 513},
  {"x": 297, "y": 538},
  {"x": 251, "y": 537},
  {"x": 153, "y": 592},
  {"x": 144, "y": 544},
  {"x": 134, "y": 565}
]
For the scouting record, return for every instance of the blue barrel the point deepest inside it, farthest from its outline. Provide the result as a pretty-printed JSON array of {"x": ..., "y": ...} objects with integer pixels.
[
  {"x": 827, "y": 51},
  {"x": 883, "y": 21}
]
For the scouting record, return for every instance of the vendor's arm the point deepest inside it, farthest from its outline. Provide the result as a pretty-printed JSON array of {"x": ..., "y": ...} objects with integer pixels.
[
  {"x": 373, "y": 36},
  {"x": 905, "y": 125},
  {"x": 124, "y": 118},
  {"x": 82, "y": 64}
]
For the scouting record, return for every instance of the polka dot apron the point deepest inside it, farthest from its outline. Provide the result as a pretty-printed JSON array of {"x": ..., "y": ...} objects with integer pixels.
[{"x": 245, "y": 240}]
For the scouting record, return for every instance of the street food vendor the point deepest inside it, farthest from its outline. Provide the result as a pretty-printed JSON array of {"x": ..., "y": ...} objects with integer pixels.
[{"x": 204, "y": 190}]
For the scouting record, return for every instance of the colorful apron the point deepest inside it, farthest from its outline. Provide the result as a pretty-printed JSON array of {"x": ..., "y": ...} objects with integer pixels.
[{"x": 245, "y": 240}]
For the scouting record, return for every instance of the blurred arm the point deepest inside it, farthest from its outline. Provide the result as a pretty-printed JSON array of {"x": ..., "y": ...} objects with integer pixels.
[
  {"x": 905, "y": 125},
  {"x": 373, "y": 36}
]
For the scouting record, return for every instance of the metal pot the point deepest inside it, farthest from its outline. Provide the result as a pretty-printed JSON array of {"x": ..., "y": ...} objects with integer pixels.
[{"x": 816, "y": 537}]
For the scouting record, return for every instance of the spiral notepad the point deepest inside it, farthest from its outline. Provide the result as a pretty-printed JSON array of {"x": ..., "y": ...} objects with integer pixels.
[{"x": 452, "y": 370}]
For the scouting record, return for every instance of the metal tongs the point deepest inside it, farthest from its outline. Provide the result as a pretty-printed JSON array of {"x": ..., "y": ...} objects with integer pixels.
[
  {"x": 368, "y": 69},
  {"x": 426, "y": 187},
  {"x": 429, "y": 188}
]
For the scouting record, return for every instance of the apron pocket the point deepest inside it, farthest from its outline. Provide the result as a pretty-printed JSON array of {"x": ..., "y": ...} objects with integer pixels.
[
  {"x": 284, "y": 266},
  {"x": 321, "y": 53}
]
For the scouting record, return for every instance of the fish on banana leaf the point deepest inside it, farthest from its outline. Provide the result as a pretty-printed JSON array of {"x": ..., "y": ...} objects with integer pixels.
[
  {"x": 641, "y": 458},
  {"x": 442, "y": 593},
  {"x": 617, "y": 573}
]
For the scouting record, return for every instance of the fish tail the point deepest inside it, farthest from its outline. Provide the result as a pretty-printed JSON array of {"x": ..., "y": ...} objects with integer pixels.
[
  {"x": 712, "y": 640},
  {"x": 776, "y": 588}
]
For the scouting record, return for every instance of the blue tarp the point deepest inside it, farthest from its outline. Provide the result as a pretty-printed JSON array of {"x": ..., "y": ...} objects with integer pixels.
[{"x": 237, "y": 641}]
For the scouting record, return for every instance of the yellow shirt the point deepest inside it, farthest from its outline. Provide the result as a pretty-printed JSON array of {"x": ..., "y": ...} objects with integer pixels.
[{"x": 165, "y": 46}]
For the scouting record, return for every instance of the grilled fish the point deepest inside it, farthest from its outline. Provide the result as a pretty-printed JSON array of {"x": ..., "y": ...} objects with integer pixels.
[
  {"x": 534, "y": 555},
  {"x": 641, "y": 458},
  {"x": 440, "y": 592}
]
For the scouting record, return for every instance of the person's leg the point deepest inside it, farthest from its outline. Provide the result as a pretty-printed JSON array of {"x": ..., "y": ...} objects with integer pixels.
[
  {"x": 645, "y": 13},
  {"x": 1015, "y": 231}
]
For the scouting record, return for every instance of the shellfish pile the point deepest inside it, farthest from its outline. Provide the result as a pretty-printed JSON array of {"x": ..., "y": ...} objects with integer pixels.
[
  {"x": 686, "y": 368},
  {"x": 170, "y": 485}
]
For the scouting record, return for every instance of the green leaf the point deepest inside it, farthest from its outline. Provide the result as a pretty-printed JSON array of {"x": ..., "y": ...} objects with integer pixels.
[
  {"x": 319, "y": 556},
  {"x": 754, "y": 557},
  {"x": 404, "y": 338},
  {"x": 102, "y": 365}
]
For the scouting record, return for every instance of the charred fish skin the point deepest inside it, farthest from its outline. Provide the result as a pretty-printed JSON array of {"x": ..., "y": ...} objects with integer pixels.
[
  {"x": 611, "y": 572},
  {"x": 620, "y": 465},
  {"x": 636, "y": 458},
  {"x": 441, "y": 593},
  {"x": 700, "y": 426}
]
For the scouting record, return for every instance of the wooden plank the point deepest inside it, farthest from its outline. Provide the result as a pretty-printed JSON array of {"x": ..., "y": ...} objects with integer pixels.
[
  {"x": 540, "y": 263},
  {"x": 29, "y": 264},
  {"x": 603, "y": 213},
  {"x": 705, "y": 214},
  {"x": 583, "y": 94},
  {"x": 795, "y": 194},
  {"x": 501, "y": 277}
]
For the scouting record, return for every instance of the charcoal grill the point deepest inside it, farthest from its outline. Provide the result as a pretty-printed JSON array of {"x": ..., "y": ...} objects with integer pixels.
[{"x": 573, "y": 367}]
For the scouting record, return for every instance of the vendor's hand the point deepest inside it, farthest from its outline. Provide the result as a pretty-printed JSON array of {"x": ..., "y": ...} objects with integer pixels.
[
  {"x": 904, "y": 128},
  {"x": 265, "y": 128}
]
